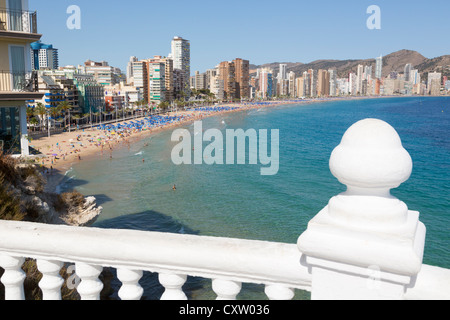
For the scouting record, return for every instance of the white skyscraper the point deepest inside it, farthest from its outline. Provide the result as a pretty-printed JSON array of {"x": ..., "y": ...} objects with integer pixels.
[
  {"x": 408, "y": 69},
  {"x": 181, "y": 55},
  {"x": 130, "y": 69},
  {"x": 282, "y": 74},
  {"x": 379, "y": 67}
]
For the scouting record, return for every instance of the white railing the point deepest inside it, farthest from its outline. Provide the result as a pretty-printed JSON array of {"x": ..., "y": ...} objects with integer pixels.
[
  {"x": 365, "y": 244},
  {"x": 228, "y": 262}
]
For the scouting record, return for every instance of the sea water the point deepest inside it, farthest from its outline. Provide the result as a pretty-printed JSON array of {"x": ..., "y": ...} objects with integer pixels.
[{"x": 135, "y": 186}]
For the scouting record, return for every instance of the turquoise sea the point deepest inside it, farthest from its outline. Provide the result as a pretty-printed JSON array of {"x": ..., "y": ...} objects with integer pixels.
[{"x": 236, "y": 201}]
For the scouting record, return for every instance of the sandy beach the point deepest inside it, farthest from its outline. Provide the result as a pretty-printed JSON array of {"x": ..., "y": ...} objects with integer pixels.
[{"x": 60, "y": 151}]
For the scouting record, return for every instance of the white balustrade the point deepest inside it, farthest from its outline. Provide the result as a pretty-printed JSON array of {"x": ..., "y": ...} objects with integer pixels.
[
  {"x": 173, "y": 284},
  {"x": 226, "y": 289},
  {"x": 364, "y": 244},
  {"x": 13, "y": 277},
  {"x": 130, "y": 289},
  {"x": 279, "y": 292},
  {"x": 90, "y": 285},
  {"x": 51, "y": 281}
]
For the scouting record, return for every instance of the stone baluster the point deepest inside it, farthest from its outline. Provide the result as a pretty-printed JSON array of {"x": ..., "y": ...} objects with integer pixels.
[
  {"x": 51, "y": 281},
  {"x": 13, "y": 277},
  {"x": 90, "y": 285},
  {"x": 226, "y": 289},
  {"x": 173, "y": 284},
  {"x": 365, "y": 244},
  {"x": 130, "y": 289},
  {"x": 279, "y": 292}
]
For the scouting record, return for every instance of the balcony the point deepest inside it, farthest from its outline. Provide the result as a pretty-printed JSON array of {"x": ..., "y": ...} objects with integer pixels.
[
  {"x": 19, "y": 24},
  {"x": 19, "y": 85},
  {"x": 365, "y": 244}
]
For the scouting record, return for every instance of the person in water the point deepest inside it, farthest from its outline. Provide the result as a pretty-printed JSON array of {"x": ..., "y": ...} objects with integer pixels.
[{"x": 174, "y": 188}]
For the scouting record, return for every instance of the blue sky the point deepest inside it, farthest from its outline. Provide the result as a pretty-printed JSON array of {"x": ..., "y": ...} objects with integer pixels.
[{"x": 261, "y": 31}]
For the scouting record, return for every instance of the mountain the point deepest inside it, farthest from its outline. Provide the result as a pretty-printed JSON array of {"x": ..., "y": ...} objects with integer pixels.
[{"x": 395, "y": 61}]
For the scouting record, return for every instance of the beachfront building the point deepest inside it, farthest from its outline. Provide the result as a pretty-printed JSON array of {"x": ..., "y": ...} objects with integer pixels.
[
  {"x": 333, "y": 82},
  {"x": 156, "y": 71},
  {"x": 181, "y": 56},
  {"x": 313, "y": 82},
  {"x": 265, "y": 83},
  {"x": 18, "y": 83},
  {"x": 291, "y": 79},
  {"x": 434, "y": 83},
  {"x": 128, "y": 95},
  {"x": 242, "y": 74},
  {"x": 90, "y": 93},
  {"x": 379, "y": 67},
  {"x": 43, "y": 56},
  {"x": 323, "y": 83},
  {"x": 64, "y": 79},
  {"x": 227, "y": 73},
  {"x": 170, "y": 94},
  {"x": 130, "y": 69},
  {"x": 300, "y": 87},
  {"x": 103, "y": 73},
  {"x": 199, "y": 81}
]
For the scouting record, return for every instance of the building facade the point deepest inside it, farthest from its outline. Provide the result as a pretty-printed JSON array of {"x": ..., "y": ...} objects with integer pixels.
[
  {"x": 43, "y": 56},
  {"x": 18, "y": 84},
  {"x": 181, "y": 56}
]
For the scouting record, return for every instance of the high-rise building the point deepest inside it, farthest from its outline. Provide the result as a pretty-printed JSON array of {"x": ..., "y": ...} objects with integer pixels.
[
  {"x": 313, "y": 82},
  {"x": 434, "y": 83},
  {"x": 407, "y": 72},
  {"x": 333, "y": 82},
  {"x": 227, "y": 73},
  {"x": 242, "y": 73},
  {"x": 300, "y": 87},
  {"x": 130, "y": 69},
  {"x": 359, "y": 78},
  {"x": 181, "y": 56},
  {"x": 265, "y": 83},
  {"x": 156, "y": 75},
  {"x": 379, "y": 67},
  {"x": 352, "y": 84},
  {"x": 291, "y": 79},
  {"x": 43, "y": 56},
  {"x": 199, "y": 81},
  {"x": 323, "y": 83}
]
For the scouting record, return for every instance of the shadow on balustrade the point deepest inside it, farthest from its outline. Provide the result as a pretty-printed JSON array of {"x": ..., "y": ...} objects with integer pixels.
[{"x": 195, "y": 288}]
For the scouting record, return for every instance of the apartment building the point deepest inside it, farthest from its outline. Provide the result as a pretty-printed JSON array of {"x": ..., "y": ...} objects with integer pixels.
[
  {"x": 242, "y": 74},
  {"x": 18, "y": 84}
]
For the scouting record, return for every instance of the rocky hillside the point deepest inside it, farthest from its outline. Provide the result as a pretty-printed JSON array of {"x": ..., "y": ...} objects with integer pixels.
[
  {"x": 395, "y": 61},
  {"x": 22, "y": 197}
]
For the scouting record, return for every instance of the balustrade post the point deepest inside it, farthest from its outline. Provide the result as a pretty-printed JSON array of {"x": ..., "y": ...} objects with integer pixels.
[
  {"x": 173, "y": 284},
  {"x": 51, "y": 281},
  {"x": 90, "y": 285},
  {"x": 226, "y": 289},
  {"x": 279, "y": 292},
  {"x": 365, "y": 244},
  {"x": 13, "y": 277},
  {"x": 131, "y": 289}
]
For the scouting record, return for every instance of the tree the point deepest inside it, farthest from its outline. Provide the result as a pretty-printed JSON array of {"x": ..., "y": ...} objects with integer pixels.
[
  {"x": 40, "y": 111},
  {"x": 64, "y": 107}
]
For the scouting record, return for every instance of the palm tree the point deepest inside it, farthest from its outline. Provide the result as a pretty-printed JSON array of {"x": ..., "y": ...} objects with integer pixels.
[
  {"x": 65, "y": 106},
  {"x": 40, "y": 111}
]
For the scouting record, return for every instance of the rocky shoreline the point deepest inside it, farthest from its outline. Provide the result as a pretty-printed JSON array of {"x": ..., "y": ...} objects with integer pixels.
[{"x": 27, "y": 187}]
